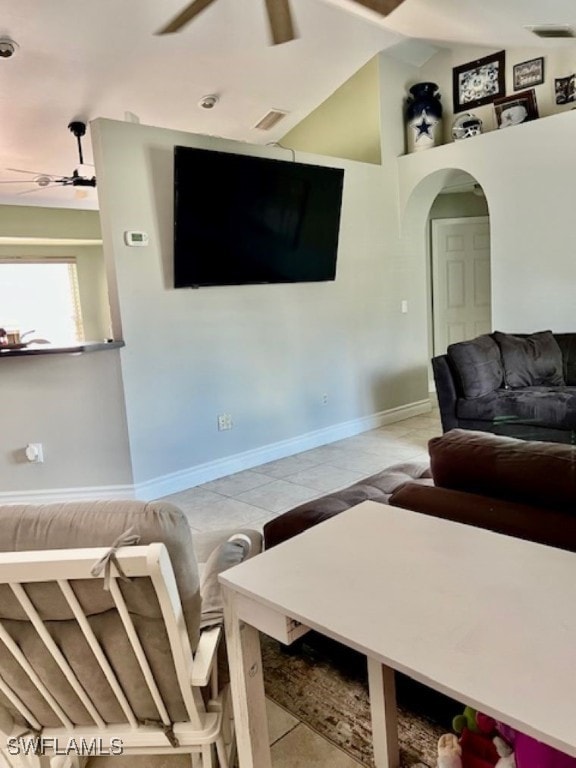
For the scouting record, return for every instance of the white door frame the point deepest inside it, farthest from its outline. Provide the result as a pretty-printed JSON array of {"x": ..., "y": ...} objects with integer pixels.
[{"x": 451, "y": 220}]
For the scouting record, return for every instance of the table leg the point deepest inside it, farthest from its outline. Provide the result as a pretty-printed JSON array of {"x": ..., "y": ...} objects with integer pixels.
[
  {"x": 247, "y": 687},
  {"x": 382, "y": 690}
]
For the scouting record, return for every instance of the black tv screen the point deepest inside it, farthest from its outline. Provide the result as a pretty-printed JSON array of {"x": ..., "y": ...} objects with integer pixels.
[{"x": 240, "y": 219}]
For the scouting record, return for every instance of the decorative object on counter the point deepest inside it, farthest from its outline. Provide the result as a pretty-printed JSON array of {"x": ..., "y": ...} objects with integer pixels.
[
  {"x": 466, "y": 125},
  {"x": 528, "y": 73},
  {"x": 423, "y": 117},
  {"x": 11, "y": 340},
  {"x": 565, "y": 89},
  {"x": 479, "y": 82},
  {"x": 14, "y": 337},
  {"x": 518, "y": 108}
]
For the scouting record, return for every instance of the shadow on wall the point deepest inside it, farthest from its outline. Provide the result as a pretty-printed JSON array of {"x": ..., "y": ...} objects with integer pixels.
[
  {"x": 398, "y": 389},
  {"x": 161, "y": 164}
]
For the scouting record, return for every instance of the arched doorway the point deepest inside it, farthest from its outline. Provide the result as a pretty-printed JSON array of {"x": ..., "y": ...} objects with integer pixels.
[
  {"x": 446, "y": 220},
  {"x": 459, "y": 228}
]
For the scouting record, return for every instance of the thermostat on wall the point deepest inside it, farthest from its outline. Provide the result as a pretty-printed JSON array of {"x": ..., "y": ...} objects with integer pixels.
[{"x": 136, "y": 238}]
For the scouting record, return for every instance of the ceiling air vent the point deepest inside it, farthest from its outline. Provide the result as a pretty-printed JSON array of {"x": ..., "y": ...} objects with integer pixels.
[
  {"x": 552, "y": 30},
  {"x": 270, "y": 119}
]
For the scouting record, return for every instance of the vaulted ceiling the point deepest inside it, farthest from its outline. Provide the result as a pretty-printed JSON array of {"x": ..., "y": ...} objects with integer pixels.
[{"x": 82, "y": 59}]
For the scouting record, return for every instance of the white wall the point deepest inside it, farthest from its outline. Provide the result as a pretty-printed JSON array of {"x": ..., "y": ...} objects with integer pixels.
[
  {"x": 527, "y": 173},
  {"x": 72, "y": 404},
  {"x": 267, "y": 353}
]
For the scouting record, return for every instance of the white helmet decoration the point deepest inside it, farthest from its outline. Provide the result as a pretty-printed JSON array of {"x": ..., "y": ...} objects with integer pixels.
[{"x": 466, "y": 125}]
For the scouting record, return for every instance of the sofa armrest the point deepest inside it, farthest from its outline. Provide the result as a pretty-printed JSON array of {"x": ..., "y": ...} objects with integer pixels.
[
  {"x": 446, "y": 391},
  {"x": 544, "y": 526},
  {"x": 540, "y": 474}
]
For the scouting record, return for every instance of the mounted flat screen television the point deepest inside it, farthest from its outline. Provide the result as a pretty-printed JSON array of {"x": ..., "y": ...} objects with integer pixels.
[{"x": 240, "y": 219}]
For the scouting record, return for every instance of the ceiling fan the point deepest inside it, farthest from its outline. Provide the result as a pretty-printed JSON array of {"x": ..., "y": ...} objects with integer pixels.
[
  {"x": 44, "y": 180},
  {"x": 279, "y": 16}
]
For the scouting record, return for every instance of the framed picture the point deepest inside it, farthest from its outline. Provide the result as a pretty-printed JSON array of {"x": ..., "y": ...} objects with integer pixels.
[
  {"x": 516, "y": 109},
  {"x": 479, "y": 82},
  {"x": 565, "y": 89},
  {"x": 528, "y": 73}
]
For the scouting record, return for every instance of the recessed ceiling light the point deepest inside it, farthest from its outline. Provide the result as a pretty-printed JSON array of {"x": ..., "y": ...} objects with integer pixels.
[
  {"x": 208, "y": 102},
  {"x": 7, "y": 47}
]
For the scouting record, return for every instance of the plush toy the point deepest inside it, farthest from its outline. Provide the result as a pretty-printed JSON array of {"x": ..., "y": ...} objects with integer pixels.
[
  {"x": 471, "y": 750},
  {"x": 531, "y": 753},
  {"x": 478, "y": 750},
  {"x": 449, "y": 751},
  {"x": 505, "y": 752},
  {"x": 475, "y": 748},
  {"x": 466, "y": 720},
  {"x": 485, "y": 743}
]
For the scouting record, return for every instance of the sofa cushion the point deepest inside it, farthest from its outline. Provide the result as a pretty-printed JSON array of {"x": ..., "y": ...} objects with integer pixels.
[
  {"x": 478, "y": 365},
  {"x": 546, "y": 526},
  {"x": 534, "y": 360},
  {"x": 567, "y": 344},
  {"x": 552, "y": 407},
  {"x": 531, "y": 472},
  {"x": 378, "y": 488}
]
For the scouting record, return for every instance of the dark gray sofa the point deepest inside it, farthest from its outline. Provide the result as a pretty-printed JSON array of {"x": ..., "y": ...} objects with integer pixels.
[{"x": 520, "y": 385}]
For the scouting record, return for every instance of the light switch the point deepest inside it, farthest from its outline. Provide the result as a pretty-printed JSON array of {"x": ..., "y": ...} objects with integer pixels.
[{"x": 404, "y": 306}]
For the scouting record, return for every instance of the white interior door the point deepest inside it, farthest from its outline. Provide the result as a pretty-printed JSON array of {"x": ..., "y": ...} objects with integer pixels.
[{"x": 461, "y": 294}]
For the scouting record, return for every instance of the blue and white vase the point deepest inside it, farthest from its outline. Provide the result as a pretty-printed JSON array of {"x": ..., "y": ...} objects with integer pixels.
[{"x": 423, "y": 117}]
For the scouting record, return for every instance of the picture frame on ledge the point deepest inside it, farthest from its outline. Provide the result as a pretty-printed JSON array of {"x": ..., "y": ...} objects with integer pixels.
[
  {"x": 527, "y": 74},
  {"x": 565, "y": 89},
  {"x": 479, "y": 82},
  {"x": 515, "y": 109}
]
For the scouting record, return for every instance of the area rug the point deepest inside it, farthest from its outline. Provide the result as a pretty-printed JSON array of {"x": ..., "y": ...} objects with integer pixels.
[{"x": 326, "y": 688}]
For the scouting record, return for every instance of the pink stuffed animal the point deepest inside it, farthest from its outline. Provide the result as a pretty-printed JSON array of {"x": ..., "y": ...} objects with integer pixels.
[{"x": 530, "y": 753}]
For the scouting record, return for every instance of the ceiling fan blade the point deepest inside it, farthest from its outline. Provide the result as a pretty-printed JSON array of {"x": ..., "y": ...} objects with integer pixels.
[
  {"x": 191, "y": 10},
  {"x": 383, "y": 7},
  {"x": 40, "y": 189},
  {"x": 32, "y": 173},
  {"x": 18, "y": 181},
  {"x": 280, "y": 18}
]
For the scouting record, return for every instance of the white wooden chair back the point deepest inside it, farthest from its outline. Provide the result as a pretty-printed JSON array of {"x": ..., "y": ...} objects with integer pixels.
[{"x": 205, "y": 722}]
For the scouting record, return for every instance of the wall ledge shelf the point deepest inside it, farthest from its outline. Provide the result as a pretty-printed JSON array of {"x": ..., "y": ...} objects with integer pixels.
[{"x": 49, "y": 349}]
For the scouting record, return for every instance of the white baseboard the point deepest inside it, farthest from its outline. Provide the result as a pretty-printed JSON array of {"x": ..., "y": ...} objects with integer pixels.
[{"x": 203, "y": 473}]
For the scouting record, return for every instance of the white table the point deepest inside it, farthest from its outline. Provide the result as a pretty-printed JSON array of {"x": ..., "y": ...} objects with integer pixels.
[{"x": 487, "y": 619}]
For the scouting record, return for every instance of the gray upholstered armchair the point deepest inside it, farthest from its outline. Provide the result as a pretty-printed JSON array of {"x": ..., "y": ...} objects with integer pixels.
[{"x": 103, "y": 643}]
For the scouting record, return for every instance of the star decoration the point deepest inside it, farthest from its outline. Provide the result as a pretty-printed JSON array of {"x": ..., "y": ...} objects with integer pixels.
[{"x": 423, "y": 128}]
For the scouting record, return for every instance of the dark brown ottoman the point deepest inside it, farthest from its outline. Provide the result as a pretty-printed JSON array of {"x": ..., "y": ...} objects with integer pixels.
[{"x": 378, "y": 487}]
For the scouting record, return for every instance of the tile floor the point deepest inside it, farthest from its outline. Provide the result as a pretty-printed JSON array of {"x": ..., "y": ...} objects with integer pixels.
[{"x": 253, "y": 497}]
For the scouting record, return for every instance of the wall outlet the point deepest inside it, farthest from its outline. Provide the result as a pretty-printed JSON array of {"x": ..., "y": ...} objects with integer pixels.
[
  {"x": 325, "y": 399},
  {"x": 224, "y": 422}
]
